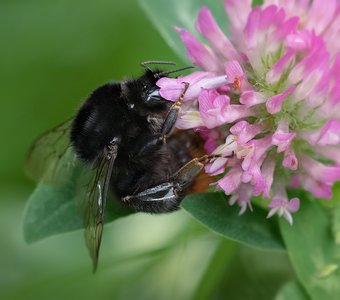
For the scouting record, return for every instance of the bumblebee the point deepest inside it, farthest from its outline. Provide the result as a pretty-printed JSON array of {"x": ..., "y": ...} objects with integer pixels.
[{"x": 122, "y": 141}]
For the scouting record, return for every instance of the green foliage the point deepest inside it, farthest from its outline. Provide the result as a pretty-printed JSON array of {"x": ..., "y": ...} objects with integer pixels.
[
  {"x": 220, "y": 260},
  {"x": 251, "y": 229},
  {"x": 336, "y": 223},
  {"x": 257, "y": 2},
  {"x": 292, "y": 291},
  {"x": 313, "y": 252},
  {"x": 52, "y": 210}
]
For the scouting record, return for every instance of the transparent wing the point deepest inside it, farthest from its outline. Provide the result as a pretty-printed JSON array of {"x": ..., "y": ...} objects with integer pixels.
[
  {"x": 50, "y": 156},
  {"x": 93, "y": 200},
  {"x": 51, "y": 159}
]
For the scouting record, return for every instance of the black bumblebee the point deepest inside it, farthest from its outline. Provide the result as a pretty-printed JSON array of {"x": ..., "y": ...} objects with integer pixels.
[{"x": 121, "y": 141}]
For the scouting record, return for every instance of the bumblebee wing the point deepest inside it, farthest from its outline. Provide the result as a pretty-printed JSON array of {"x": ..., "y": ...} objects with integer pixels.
[
  {"x": 94, "y": 200},
  {"x": 49, "y": 157}
]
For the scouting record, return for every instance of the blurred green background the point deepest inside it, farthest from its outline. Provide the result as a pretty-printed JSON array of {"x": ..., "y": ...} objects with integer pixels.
[{"x": 53, "y": 54}]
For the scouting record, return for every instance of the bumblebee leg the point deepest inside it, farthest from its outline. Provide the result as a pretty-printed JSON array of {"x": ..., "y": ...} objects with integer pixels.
[
  {"x": 185, "y": 176},
  {"x": 171, "y": 117},
  {"x": 166, "y": 197},
  {"x": 162, "y": 192}
]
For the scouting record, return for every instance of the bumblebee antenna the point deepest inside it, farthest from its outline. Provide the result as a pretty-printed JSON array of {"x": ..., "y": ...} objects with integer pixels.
[
  {"x": 146, "y": 64},
  {"x": 165, "y": 73}
]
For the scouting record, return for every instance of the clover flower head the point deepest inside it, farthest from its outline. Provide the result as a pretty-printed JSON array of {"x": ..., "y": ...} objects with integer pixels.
[{"x": 269, "y": 95}]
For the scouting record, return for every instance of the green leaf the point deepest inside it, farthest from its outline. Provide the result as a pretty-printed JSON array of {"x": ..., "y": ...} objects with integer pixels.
[
  {"x": 312, "y": 250},
  {"x": 336, "y": 196},
  {"x": 292, "y": 291},
  {"x": 49, "y": 211},
  {"x": 257, "y": 2},
  {"x": 166, "y": 14},
  {"x": 252, "y": 228},
  {"x": 336, "y": 223},
  {"x": 52, "y": 210},
  {"x": 215, "y": 272},
  {"x": 335, "y": 201}
]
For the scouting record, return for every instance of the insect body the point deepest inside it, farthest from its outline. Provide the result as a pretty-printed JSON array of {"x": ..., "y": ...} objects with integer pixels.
[{"x": 122, "y": 135}]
